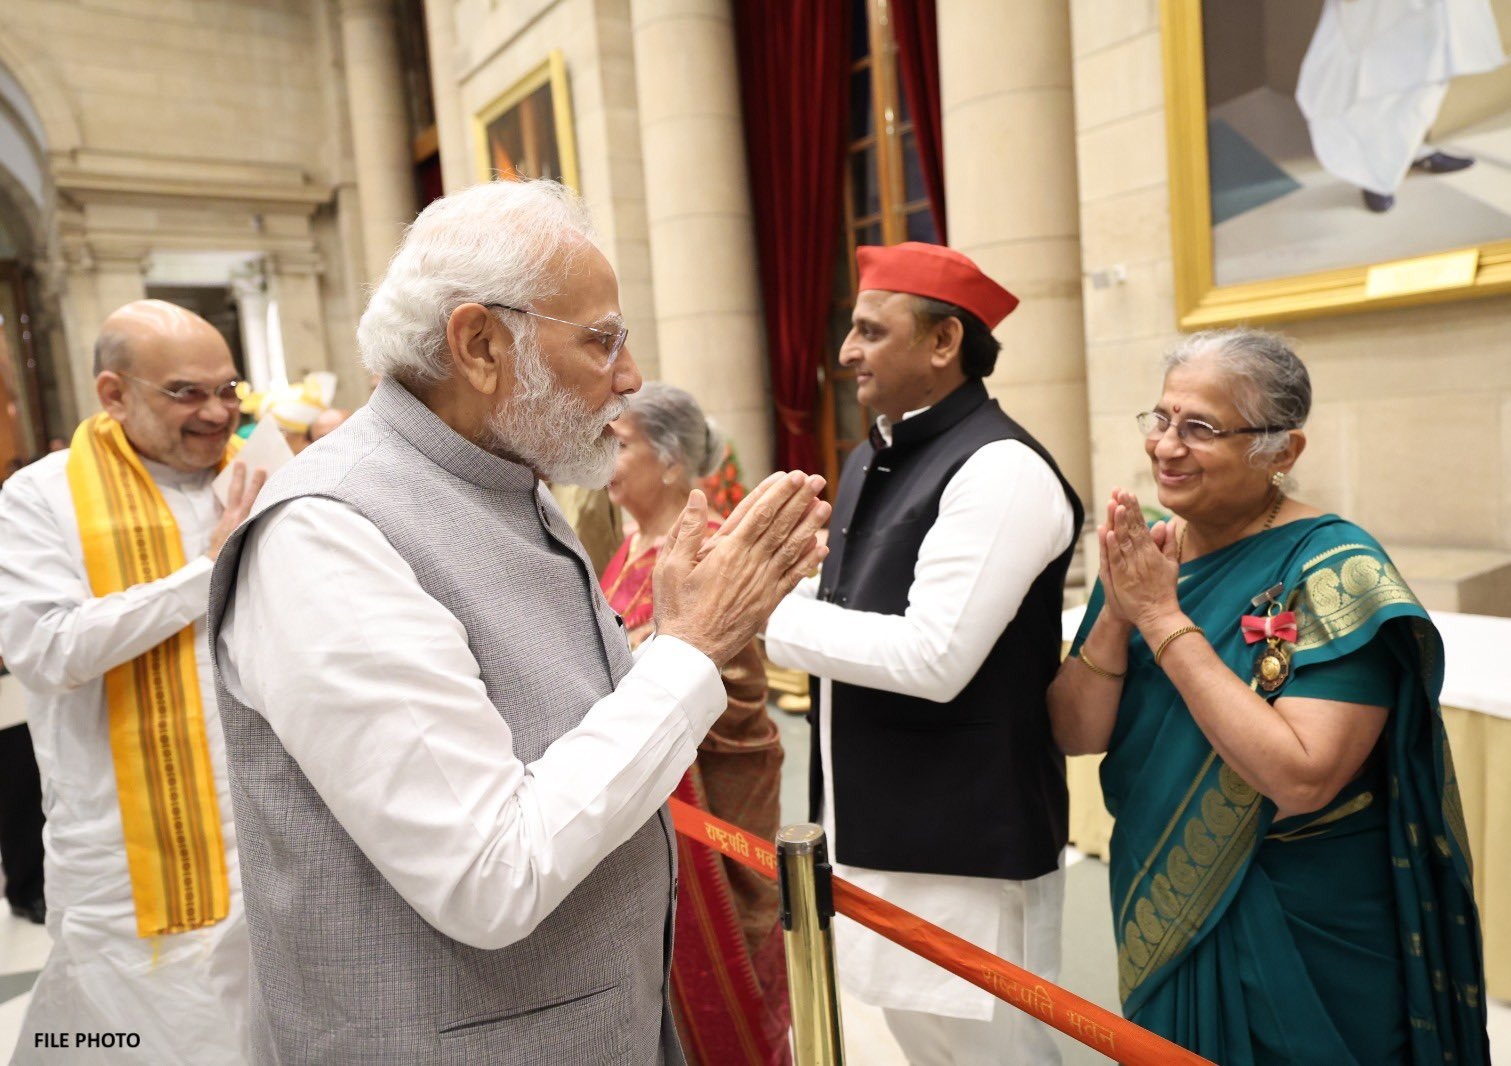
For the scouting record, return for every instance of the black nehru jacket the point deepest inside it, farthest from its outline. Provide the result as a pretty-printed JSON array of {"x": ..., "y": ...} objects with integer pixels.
[{"x": 975, "y": 786}]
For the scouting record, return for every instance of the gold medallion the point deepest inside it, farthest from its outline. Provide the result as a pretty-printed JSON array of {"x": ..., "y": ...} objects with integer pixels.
[{"x": 1272, "y": 667}]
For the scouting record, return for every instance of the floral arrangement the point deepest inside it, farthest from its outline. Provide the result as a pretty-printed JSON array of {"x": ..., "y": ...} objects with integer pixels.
[{"x": 723, "y": 487}]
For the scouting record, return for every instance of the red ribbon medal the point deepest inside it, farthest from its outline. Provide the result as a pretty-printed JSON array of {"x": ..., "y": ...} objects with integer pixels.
[
  {"x": 1273, "y": 665},
  {"x": 1280, "y": 626}
]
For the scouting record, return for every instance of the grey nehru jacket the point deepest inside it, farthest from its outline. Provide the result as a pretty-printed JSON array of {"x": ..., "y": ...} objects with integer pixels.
[{"x": 344, "y": 970}]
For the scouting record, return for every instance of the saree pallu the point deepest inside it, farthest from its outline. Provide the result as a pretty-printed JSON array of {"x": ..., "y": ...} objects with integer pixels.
[
  {"x": 729, "y": 972},
  {"x": 1347, "y": 936}
]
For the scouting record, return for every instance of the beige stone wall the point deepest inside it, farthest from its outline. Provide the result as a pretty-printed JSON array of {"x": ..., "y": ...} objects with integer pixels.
[
  {"x": 174, "y": 125},
  {"x": 174, "y": 77},
  {"x": 1411, "y": 431}
]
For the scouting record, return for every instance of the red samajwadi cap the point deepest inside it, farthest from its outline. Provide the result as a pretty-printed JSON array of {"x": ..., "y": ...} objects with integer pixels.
[{"x": 937, "y": 272}]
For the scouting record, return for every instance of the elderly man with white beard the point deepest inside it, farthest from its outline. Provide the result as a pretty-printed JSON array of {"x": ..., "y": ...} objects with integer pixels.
[{"x": 448, "y": 770}]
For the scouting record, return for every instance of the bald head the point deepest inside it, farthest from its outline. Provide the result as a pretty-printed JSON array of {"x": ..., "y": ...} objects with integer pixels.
[
  {"x": 146, "y": 323},
  {"x": 163, "y": 373}
]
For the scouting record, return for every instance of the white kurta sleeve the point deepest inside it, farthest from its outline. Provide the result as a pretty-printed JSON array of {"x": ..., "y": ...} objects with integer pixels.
[
  {"x": 1002, "y": 519},
  {"x": 56, "y": 634},
  {"x": 371, "y": 687}
]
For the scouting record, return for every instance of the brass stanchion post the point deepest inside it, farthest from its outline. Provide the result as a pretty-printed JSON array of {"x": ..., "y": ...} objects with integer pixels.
[{"x": 808, "y": 934}]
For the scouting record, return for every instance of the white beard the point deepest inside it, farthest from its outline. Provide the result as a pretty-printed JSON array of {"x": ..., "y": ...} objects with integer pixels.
[{"x": 559, "y": 437}]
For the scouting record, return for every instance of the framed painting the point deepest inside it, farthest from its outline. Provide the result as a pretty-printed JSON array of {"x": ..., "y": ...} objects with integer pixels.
[
  {"x": 527, "y": 132},
  {"x": 1329, "y": 156}
]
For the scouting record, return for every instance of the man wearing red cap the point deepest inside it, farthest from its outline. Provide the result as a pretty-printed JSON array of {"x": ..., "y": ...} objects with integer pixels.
[{"x": 935, "y": 627}]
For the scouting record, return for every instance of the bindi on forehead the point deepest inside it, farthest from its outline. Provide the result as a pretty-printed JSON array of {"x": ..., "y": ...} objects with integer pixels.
[{"x": 1176, "y": 409}]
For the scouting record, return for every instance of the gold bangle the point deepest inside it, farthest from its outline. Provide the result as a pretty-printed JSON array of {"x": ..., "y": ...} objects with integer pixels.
[
  {"x": 1182, "y": 631},
  {"x": 1094, "y": 668}
]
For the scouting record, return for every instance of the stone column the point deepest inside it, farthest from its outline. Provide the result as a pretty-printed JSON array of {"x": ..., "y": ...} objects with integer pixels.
[
  {"x": 697, "y": 199},
  {"x": 79, "y": 304},
  {"x": 249, "y": 289},
  {"x": 97, "y": 282},
  {"x": 457, "y": 165},
  {"x": 380, "y": 128},
  {"x": 120, "y": 282},
  {"x": 1010, "y": 185},
  {"x": 295, "y": 285},
  {"x": 278, "y": 367}
]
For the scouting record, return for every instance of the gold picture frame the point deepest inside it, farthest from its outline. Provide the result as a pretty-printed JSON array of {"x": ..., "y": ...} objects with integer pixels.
[
  {"x": 1452, "y": 274},
  {"x": 527, "y": 131}
]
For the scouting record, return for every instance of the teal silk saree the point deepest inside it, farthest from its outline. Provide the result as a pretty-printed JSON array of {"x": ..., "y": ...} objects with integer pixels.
[{"x": 1345, "y": 937}]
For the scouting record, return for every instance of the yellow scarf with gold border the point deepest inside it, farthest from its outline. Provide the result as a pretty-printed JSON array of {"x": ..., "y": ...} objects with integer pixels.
[{"x": 164, "y": 778}]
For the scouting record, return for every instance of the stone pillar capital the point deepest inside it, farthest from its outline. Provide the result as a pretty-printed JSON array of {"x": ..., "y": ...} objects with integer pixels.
[
  {"x": 249, "y": 282},
  {"x": 90, "y": 257}
]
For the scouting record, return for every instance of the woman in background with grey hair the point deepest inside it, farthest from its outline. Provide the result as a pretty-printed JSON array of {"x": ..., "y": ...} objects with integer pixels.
[
  {"x": 729, "y": 985},
  {"x": 1290, "y": 878}
]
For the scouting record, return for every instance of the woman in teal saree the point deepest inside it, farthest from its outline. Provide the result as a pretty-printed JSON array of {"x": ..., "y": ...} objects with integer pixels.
[{"x": 1290, "y": 879}]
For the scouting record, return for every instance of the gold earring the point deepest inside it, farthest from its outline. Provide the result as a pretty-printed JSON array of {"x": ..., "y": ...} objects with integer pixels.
[{"x": 1277, "y": 478}]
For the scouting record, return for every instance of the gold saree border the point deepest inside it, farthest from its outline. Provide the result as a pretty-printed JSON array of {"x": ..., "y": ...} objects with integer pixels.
[
  {"x": 1159, "y": 845},
  {"x": 1216, "y": 842},
  {"x": 1341, "y": 599}
]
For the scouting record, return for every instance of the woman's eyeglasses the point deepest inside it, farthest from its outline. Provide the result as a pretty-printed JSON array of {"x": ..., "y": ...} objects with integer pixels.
[{"x": 1154, "y": 425}]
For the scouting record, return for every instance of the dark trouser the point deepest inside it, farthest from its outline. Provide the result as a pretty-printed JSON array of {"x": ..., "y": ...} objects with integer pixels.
[{"x": 20, "y": 817}]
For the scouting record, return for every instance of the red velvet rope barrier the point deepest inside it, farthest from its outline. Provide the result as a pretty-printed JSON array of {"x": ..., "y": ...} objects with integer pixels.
[{"x": 1094, "y": 1026}]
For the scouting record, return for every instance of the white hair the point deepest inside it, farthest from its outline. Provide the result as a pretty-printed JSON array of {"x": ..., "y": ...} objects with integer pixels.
[{"x": 503, "y": 242}]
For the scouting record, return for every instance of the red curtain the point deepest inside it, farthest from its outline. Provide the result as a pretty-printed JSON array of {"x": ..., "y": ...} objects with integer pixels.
[
  {"x": 917, "y": 30},
  {"x": 794, "y": 73}
]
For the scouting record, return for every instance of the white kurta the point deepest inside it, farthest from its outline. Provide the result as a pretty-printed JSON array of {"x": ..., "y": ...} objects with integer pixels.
[
  {"x": 185, "y": 995},
  {"x": 1002, "y": 520},
  {"x": 480, "y": 844},
  {"x": 1375, "y": 74}
]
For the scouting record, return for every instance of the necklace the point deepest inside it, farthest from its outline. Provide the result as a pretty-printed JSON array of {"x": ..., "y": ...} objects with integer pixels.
[{"x": 1180, "y": 539}]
